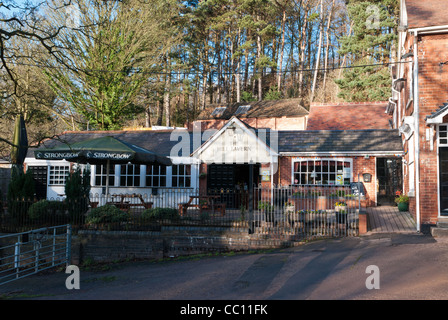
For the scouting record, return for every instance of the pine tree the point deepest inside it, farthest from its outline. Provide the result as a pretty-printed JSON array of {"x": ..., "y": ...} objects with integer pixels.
[{"x": 370, "y": 45}]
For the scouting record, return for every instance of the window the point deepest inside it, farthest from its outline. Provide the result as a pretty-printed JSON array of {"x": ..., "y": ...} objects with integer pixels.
[
  {"x": 129, "y": 175},
  {"x": 242, "y": 110},
  {"x": 101, "y": 175},
  {"x": 58, "y": 174},
  {"x": 443, "y": 135},
  {"x": 181, "y": 176},
  {"x": 155, "y": 176},
  {"x": 219, "y": 111},
  {"x": 322, "y": 171}
]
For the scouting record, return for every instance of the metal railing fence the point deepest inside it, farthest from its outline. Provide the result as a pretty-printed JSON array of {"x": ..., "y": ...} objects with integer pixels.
[{"x": 291, "y": 212}]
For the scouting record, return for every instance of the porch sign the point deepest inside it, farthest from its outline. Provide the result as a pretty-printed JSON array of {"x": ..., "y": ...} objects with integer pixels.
[{"x": 357, "y": 188}]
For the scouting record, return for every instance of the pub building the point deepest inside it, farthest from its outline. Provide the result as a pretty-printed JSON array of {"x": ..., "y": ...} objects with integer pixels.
[{"x": 353, "y": 144}]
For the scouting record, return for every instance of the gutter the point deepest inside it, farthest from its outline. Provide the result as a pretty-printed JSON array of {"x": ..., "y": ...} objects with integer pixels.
[
  {"x": 416, "y": 132},
  {"x": 429, "y": 30}
]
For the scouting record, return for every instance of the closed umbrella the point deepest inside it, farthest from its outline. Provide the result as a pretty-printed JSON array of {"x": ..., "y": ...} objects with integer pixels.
[
  {"x": 105, "y": 150},
  {"x": 20, "y": 143}
]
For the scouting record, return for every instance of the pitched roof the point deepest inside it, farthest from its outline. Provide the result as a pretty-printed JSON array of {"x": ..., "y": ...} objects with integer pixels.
[
  {"x": 426, "y": 13},
  {"x": 258, "y": 109},
  {"x": 348, "y": 116},
  {"x": 437, "y": 116},
  {"x": 294, "y": 141},
  {"x": 340, "y": 141}
]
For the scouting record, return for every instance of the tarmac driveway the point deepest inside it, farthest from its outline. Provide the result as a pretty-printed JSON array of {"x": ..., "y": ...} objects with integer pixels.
[{"x": 411, "y": 266}]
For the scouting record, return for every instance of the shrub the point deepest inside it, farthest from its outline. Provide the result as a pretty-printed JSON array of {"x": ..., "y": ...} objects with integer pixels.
[
  {"x": 106, "y": 214},
  {"x": 20, "y": 194},
  {"x": 247, "y": 97},
  {"x": 402, "y": 199},
  {"x": 48, "y": 211},
  {"x": 265, "y": 206},
  {"x": 77, "y": 189},
  {"x": 273, "y": 94},
  {"x": 160, "y": 213}
]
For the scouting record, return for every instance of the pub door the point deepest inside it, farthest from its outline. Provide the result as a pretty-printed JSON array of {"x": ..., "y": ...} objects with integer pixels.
[
  {"x": 231, "y": 181},
  {"x": 443, "y": 171},
  {"x": 40, "y": 180},
  {"x": 389, "y": 176}
]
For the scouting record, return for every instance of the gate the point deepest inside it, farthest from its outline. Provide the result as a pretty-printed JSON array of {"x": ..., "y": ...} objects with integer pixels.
[{"x": 27, "y": 253}]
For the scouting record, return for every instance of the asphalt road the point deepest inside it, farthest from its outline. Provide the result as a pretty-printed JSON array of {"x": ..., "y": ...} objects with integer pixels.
[{"x": 411, "y": 266}]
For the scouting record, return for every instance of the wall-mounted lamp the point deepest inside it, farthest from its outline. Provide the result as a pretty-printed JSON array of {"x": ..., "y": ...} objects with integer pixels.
[{"x": 367, "y": 177}]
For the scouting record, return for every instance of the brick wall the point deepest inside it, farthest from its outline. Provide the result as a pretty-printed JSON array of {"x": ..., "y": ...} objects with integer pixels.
[
  {"x": 433, "y": 92},
  {"x": 283, "y": 123},
  {"x": 109, "y": 246}
]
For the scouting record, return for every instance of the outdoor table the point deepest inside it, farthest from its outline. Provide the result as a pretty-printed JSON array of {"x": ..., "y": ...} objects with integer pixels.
[
  {"x": 205, "y": 202},
  {"x": 126, "y": 205}
]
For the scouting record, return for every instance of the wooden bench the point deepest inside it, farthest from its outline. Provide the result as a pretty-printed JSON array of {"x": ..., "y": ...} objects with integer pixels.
[
  {"x": 126, "y": 205},
  {"x": 205, "y": 203}
]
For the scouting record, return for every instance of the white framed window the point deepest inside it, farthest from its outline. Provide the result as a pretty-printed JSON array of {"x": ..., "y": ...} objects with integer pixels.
[
  {"x": 322, "y": 171},
  {"x": 442, "y": 135},
  {"x": 129, "y": 175},
  {"x": 101, "y": 175},
  {"x": 181, "y": 176},
  {"x": 58, "y": 175},
  {"x": 155, "y": 176}
]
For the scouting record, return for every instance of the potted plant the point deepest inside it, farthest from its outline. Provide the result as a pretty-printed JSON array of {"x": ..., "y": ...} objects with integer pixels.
[
  {"x": 402, "y": 202},
  {"x": 341, "y": 211},
  {"x": 268, "y": 210},
  {"x": 289, "y": 207},
  {"x": 340, "y": 206}
]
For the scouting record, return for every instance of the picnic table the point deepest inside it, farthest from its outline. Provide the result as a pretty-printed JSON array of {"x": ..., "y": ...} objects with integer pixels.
[
  {"x": 204, "y": 203},
  {"x": 119, "y": 202}
]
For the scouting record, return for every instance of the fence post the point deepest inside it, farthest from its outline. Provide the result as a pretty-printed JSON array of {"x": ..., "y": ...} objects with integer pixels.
[
  {"x": 17, "y": 258},
  {"x": 251, "y": 197},
  {"x": 69, "y": 245}
]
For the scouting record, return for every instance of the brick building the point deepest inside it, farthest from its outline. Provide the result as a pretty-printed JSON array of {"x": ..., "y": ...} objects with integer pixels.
[
  {"x": 344, "y": 145},
  {"x": 418, "y": 106},
  {"x": 285, "y": 114}
]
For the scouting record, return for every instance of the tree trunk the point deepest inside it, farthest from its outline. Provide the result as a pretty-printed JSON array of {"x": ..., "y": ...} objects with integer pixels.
[
  {"x": 166, "y": 96},
  {"x": 260, "y": 73},
  {"x": 280, "y": 63},
  {"x": 324, "y": 84},
  {"x": 148, "y": 117},
  {"x": 316, "y": 65},
  {"x": 302, "y": 51}
]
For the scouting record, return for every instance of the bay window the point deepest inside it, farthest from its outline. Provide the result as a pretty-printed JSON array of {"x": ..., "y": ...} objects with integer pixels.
[{"x": 322, "y": 171}]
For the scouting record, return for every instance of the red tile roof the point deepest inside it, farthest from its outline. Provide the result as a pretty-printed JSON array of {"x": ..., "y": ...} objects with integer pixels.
[
  {"x": 426, "y": 13},
  {"x": 348, "y": 116}
]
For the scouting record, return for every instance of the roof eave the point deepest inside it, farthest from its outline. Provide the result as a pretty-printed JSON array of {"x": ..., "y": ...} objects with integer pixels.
[{"x": 342, "y": 153}]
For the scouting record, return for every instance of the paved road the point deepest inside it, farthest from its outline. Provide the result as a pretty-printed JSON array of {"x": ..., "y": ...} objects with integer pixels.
[{"x": 411, "y": 266}]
